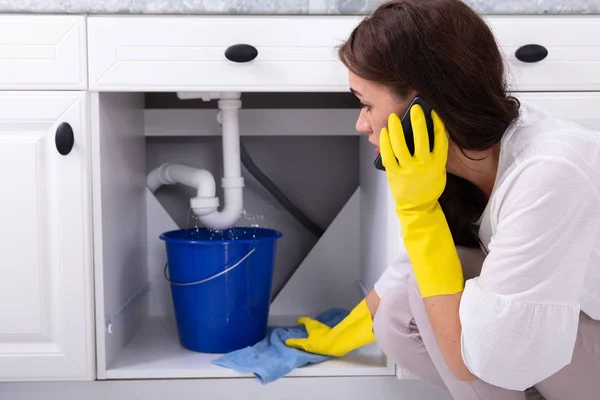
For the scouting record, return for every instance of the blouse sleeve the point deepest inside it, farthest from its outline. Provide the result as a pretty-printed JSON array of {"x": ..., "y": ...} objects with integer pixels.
[{"x": 520, "y": 316}]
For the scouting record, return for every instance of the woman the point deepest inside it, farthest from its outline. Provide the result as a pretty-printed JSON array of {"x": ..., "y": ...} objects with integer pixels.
[{"x": 504, "y": 176}]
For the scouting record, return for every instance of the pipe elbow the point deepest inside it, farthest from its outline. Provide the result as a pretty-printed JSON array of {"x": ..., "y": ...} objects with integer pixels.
[
  {"x": 206, "y": 185},
  {"x": 170, "y": 174},
  {"x": 200, "y": 179},
  {"x": 231, "y": 213}
]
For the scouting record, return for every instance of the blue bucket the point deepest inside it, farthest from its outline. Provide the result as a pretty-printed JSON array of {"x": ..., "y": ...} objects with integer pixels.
[{"x": 221, "y": 285}]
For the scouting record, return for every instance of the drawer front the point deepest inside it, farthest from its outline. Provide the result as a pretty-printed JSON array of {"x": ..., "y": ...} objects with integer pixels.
[
  {"x": 573, "y": 45},
  {"x": 298, "y": 53},
  {"x": 579, "y": 107},
  {"x": 42, "y": 52},
  {"x": 188, "y": 53}
]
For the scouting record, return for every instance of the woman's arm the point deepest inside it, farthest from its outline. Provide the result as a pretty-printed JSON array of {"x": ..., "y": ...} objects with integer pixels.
[
  {"x": 372, "y": 301},
  {"x": 443, "y": 315}
]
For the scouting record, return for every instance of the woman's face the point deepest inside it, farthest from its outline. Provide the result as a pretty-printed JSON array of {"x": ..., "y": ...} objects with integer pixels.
[{"x": 378, "y": 103}]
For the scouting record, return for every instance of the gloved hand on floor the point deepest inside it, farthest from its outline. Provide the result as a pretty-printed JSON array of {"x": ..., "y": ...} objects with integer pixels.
[
  {"x": 416, "y": 182},
  {"x": 355, "y": 331}
]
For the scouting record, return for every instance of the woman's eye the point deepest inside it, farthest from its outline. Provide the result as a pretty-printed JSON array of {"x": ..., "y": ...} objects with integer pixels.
[{"x": 365, "y": 106}]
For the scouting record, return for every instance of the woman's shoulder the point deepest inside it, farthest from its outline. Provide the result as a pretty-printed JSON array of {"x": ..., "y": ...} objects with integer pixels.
[{"x": 538, "y": 138}]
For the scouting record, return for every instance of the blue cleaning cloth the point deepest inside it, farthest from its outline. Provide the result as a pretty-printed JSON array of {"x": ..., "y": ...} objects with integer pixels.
[{"x": 270, "y": 359}]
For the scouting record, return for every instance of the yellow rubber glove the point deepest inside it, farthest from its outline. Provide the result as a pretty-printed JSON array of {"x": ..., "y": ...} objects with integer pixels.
[
  {"x": 353, "y": 332},
  {"x": 416, "y": 183}
]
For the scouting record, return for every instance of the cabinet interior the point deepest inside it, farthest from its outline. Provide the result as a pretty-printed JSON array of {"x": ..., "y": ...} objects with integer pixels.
[{"x": 313, "y": 154}]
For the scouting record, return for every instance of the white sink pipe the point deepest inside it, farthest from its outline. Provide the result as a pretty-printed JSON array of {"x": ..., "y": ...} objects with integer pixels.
[
  {"x": 205, "y": 204},
  {"x": 205, "y": 201}
]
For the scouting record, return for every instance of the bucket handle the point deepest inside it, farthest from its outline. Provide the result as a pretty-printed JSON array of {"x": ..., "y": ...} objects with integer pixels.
[{"x": 212, "y": 277}]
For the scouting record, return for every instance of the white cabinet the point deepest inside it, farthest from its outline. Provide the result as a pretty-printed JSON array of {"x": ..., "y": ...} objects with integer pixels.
[
  {"x": 42, "y": 52},
  {"x": 46, "y": 205},
  {"x": 46, "y": 330}
]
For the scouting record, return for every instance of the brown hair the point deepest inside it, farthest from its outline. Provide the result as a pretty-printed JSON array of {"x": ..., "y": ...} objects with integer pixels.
[{"x": 444, "y": 51}]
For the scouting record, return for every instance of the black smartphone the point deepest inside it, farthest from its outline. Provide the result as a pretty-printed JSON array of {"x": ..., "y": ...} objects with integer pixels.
[{"x": 408, "y": 131}]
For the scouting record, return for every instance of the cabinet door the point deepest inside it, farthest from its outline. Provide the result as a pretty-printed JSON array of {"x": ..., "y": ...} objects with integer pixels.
[{"x": 45, "y": 260}]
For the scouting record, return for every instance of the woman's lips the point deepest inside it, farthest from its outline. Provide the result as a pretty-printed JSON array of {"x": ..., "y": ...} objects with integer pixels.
[{"x": 377, "y": 150}]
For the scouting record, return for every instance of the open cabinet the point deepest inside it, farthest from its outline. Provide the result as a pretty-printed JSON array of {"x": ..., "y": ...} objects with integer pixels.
[{"x": 137, "y": 336}]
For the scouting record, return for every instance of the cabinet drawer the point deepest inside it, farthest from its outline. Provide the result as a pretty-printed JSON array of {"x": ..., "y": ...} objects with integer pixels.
[
  {"x": 42, "y": 52},
  {"x": 188, "y": 53},
  {"x": 573, "y": 45},
  {"x": 298, "y": 53},
  {"x": 579, "y": 107}
]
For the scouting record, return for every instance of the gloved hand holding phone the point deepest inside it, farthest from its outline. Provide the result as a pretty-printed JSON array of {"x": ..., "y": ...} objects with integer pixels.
[{"x": 416, "y": 182}]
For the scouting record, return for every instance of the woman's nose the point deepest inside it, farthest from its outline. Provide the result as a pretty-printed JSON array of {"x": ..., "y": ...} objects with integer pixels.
[{"x": 362, "y": 123}]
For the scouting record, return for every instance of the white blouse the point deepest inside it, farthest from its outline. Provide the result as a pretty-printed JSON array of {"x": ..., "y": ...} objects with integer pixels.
[{"x": 541, "y": 230}]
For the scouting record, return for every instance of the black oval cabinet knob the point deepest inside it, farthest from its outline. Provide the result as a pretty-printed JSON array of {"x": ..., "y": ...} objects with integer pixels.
[
  {"x": 531, "y": 53},
  {"x": 64, "y": 139},
  {"x": 241, "y": 53}
]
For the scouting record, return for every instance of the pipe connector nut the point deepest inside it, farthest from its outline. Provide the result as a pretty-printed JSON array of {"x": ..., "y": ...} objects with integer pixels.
[
  {"x": 236, "y": 182},
  {"x": 208, "y": 203}
]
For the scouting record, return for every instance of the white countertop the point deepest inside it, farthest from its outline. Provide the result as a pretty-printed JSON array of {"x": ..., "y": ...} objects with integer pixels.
[{"x": 339, "y": 7}]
